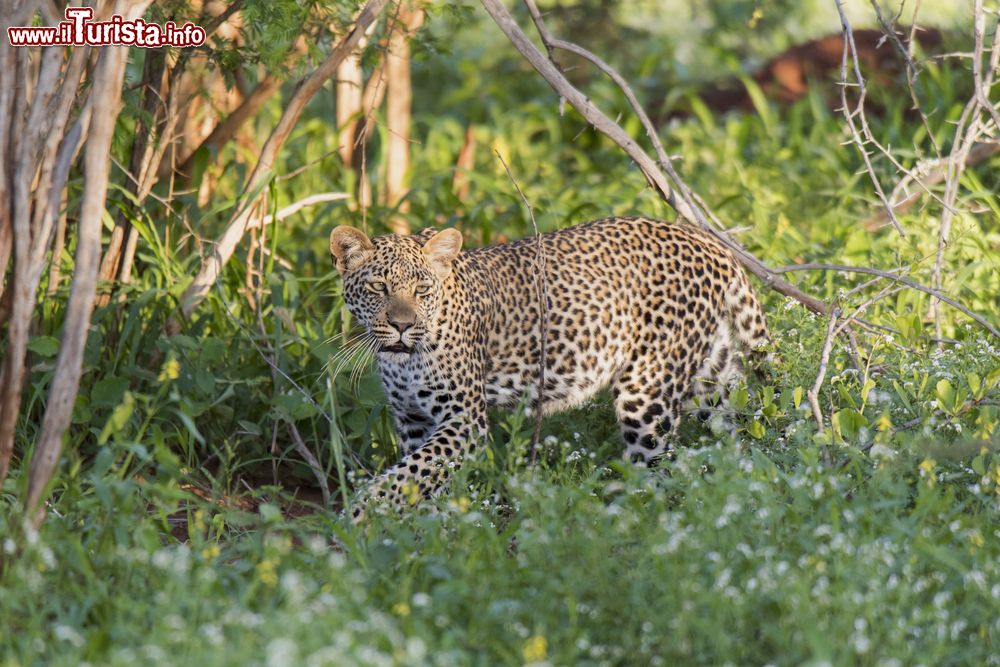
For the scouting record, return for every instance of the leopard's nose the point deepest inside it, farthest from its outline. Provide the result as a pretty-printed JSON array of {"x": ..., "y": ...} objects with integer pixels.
[
  {"x": 401, "y": 315},
  {"x": 402, "y": 324}
]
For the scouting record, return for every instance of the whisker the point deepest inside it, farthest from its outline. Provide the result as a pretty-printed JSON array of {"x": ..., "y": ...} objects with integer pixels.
[
  {"x": 361, "y": 364},
  {"x": 350, "y": 348},
  {"x": 357, "y": 351},
  {"x": 354, "y": 336},
  {"x": 346, "y": 359}
]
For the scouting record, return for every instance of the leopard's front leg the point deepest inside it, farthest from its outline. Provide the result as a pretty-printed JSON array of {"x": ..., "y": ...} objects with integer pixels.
[
  {"x": 423, "y": 472},
  {"x": 412, "y": 429}
]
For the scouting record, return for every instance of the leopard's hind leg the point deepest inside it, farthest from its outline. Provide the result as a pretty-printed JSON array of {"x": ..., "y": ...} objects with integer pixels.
[
  {"x": 649, "y": 393},
  {"x": 721, "y": 369}
]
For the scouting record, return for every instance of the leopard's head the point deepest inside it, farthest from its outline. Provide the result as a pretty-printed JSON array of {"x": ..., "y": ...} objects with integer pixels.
[{"x": 393, "y": 285}]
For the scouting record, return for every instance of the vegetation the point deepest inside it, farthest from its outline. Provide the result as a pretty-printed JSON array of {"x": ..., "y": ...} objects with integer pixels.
[{"x": 185, "y": 525}]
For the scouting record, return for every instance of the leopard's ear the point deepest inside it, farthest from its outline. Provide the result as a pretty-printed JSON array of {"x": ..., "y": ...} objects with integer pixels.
[
  {"x": 442, "y": 249},
  {"x": 423, "y": 235},
  {"x": 350, "y": 248}
]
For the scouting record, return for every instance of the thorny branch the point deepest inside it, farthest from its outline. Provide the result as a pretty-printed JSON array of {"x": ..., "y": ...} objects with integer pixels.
[
  {"x": 661, "y": 173},
  {"x": 906, "y": 52},
  {"x": 937, "y": 294},
  {"x": 968, "y": 130},
  {"x": 861, "y": 136}
]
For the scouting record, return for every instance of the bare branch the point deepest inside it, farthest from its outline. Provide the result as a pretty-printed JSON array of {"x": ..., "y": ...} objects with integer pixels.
[
  {"x": 587, "y": 109},
  {"x": 851, "y": 49},
  {"x": 927, "y": 173},
  {"x": 906, "y": 52},
  {"x": 884, "y": 293},
  {"x": 824, "y": 361},
  {"x": 66, "y": 380},
  {"x": 684, "y": 201},
  {"x": 982, "y": 82}
]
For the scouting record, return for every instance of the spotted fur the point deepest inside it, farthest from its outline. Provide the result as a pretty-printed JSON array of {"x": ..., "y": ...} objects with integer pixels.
[{"x": 661, "y": 312}]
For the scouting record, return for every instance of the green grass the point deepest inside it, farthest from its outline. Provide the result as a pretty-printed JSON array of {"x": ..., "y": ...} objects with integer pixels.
[
  {"x": 734, "y": 555},
  {"x": 184, "y": 527},
  {"x": 788, "y": 549}
]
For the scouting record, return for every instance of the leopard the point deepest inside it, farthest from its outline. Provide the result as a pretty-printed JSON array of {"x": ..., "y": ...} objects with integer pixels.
[{"x": 662, "y": 312}]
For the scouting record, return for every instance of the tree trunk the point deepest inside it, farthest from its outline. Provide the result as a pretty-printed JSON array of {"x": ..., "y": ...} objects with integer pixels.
[
  {"x": 399, "y": 103},
  {"x": 349, "y": 89},
  {"x": 66, "y": 380}
]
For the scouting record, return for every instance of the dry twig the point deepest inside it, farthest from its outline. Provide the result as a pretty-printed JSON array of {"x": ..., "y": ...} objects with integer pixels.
[
  {"x": 860, "y": 132},
  {"x": 542, "y": 285},
  {"x": 824, "y": 361},
  {"x": 317, "y": 470}
]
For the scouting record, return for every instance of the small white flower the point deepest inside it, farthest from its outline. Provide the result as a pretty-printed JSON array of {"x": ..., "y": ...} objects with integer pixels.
[
  {"x": 282, "y": 652},
  {"x": 68, "y": 634}
]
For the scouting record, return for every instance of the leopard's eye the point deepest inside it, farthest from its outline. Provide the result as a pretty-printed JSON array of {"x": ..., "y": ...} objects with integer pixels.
[
  {"x": 377, "y": 286},
  {"x": 422, "y": 289}
]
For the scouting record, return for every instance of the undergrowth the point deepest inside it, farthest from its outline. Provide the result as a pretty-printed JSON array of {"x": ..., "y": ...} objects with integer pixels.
[{"x": 185, "y": 528}]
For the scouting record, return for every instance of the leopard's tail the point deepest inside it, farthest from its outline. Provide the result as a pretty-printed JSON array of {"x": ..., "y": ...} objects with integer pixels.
[{"x": 747, "y": 319}]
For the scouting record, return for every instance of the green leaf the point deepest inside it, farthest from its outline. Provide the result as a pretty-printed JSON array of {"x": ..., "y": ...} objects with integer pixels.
[
  {"x": 294, "y": 405},
  {"x": 945, "y": 394},
  {"x": 849, "y": 422},
  {"x": 44, "y": 346},
  {"x": 738, "y": 398},
  {"x": 904, "y": 396},
  {"x": 82, "y": 413},
  {"x": 767, "y": 396},
  {"x": 760, "y": 104},
  {"x": 979, "y": 465},
  {"x": 975, "y": 384},
  {"x": 119, "y": 418},
  {"x": 249, "y": 427},
  {"x": 797, "y": 397},
  {"x": 189, "y": 425},
  {"x": 108, "y": 391},
  {"x": 213, "y": 351},
  {"x": 910, "y": 327},
  {"x": 756, "y": 430},
  {"x": 846, "y": 395},
  {"x": 991, "y": 379},
  {"x": 199, "y": 162},
  {"x": 867, "y": 389}
]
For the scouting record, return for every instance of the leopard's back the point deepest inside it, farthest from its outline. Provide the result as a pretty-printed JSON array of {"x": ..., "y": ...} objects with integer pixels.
[{"x": 626, "y": 296}]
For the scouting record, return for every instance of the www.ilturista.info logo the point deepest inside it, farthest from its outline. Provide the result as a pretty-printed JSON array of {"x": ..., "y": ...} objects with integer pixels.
[{"x": 79, "y": 30}]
